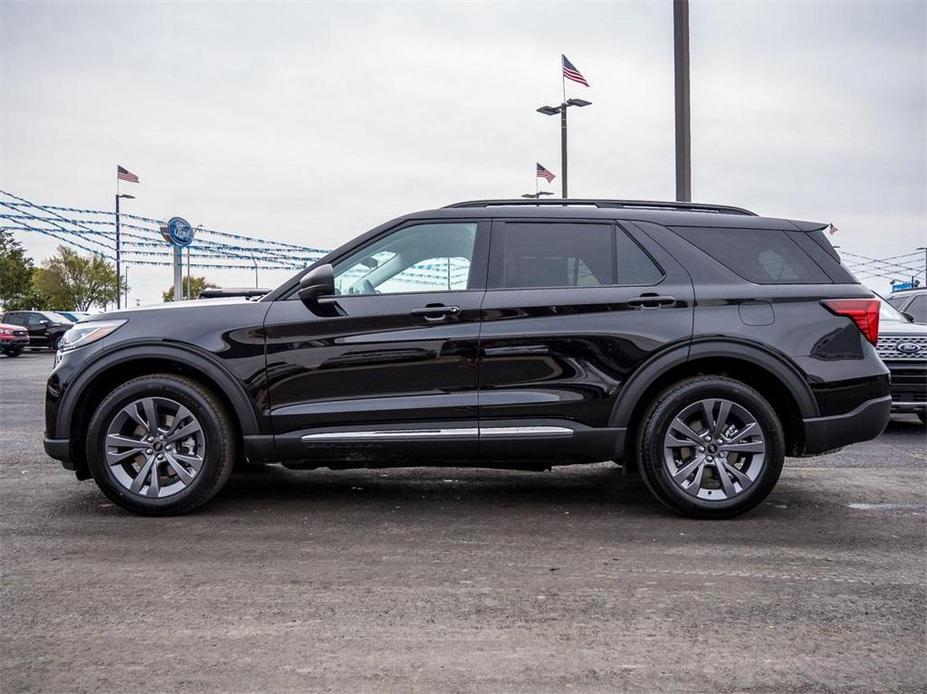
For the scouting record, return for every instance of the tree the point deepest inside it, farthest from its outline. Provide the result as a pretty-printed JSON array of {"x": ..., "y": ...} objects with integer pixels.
[
  {"x": 191, "y": 288},
  {"x": 69, "y": 280},
  {"x": 16, "y": 269}
]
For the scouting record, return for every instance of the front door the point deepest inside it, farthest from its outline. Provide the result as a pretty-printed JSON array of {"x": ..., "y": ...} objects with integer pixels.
[
  {"x": 573, "y": 307},
  {"x": 393, "y": 377}
]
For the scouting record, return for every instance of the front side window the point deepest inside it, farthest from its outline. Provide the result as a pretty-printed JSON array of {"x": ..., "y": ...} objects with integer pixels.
[
  {"x": 918, "y": 308},
  {"x": 420, "y": 258},
  {"x": 554, "y": 254}
]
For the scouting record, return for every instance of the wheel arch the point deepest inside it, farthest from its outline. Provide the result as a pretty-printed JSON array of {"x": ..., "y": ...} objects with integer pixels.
[
  {"x": 99, "y": 378},
  {"x": 771, "y": 374}
]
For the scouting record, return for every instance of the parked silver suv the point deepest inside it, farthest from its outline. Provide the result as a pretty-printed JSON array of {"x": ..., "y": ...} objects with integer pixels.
[{"x": 903, "y": 347}]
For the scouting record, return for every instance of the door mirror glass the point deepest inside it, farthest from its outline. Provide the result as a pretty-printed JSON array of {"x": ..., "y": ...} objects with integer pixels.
[{"x": 314, "y": 286}]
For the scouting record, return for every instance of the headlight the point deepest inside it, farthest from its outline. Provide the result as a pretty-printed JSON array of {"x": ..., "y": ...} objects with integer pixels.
[
  {"x": 85, "y": 333},
  {"x": 6, "y": 331}
]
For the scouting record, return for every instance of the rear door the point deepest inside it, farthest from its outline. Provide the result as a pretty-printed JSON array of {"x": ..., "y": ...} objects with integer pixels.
[{"x": 572, "y": 308}]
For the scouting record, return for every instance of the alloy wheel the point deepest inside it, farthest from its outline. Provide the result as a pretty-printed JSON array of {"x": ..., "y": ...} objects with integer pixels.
[
  {"x": 155, "y": 447},
  {"x": 714, "y": 449}
]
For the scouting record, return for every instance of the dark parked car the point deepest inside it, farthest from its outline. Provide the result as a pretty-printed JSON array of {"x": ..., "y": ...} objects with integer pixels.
[
  {"x": 903, "y": 348},
  {"x": 13, "y": 339},
  {"x": 45, "y": 327},
  {"x": 700, "y": 343},
  {"x": 912, "y": 302}
]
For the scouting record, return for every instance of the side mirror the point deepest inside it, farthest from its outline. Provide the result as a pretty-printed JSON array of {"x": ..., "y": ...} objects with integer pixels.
[
  {"x": 908, "y": 316},
  {"x": 317, "y": 289}
]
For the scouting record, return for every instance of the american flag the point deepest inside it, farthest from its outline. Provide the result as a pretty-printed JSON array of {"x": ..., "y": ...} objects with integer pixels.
[
  {"x": 125, "y": 175},
  {"x": 571, "y": 73},
  {"x": 545, "y": 174}
]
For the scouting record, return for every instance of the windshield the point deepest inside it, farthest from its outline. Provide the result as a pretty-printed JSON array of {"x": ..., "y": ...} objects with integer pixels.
[
  {"x": 889, "y": 312},
  {"x": 57, "y": 317}
]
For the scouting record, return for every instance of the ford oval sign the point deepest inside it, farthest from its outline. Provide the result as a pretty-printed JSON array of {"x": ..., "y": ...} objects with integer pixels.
[
  {"x": 179, "y": 231},
  {"x": 908, "y": 347}
]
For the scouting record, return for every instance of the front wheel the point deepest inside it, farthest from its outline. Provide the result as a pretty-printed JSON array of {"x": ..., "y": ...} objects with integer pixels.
[
  {"x": 13, "y": 351},
  {"x": 160, "y": 445},
  {"x": 711, "y": 447}
]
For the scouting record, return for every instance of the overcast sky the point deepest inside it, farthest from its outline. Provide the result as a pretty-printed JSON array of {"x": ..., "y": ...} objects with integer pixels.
[{"x": 312, "y": 122}]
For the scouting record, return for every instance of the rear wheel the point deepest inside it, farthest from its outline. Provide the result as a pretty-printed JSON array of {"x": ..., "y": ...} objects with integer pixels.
[
  {"x": 160, "y": 445},
  {"x": 711, "y": 447}
]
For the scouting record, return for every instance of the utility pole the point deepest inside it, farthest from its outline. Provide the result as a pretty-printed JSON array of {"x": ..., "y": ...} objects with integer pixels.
[{"x": 683, "y": 131}]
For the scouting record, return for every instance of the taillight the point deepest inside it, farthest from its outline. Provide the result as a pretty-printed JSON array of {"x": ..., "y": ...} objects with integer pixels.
[{"x": 863, "y": 312}]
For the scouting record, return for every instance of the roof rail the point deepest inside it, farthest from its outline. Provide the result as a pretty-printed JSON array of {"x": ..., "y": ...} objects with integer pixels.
[{"x": 639, "y": 204}]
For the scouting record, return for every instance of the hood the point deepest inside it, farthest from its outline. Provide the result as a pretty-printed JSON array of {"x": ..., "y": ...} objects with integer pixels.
[
  {"x": 897, "y": 327},
  {"x": 172, "y": 306}
]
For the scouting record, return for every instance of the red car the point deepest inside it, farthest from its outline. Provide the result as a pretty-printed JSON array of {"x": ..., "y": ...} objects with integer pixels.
[{"x": 13, "y": 339}]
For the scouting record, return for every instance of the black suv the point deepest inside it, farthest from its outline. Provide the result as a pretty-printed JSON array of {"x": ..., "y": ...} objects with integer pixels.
[
  {"x": 699, "y": 343},
  {"x": 45, "y": 328}
]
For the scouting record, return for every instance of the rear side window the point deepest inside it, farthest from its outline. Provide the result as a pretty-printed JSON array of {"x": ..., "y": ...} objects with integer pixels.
[
  {"x": 553, "y": 254},
  {"x": 759, "y": 255}
]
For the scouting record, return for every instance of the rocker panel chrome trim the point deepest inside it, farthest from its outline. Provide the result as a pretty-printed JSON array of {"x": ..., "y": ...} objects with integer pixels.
[{"x": 462, "y": 432}]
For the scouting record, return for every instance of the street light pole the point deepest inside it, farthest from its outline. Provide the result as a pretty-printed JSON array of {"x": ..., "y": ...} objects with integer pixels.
[
  {"x": 562, "y": 110},
  {"x": 119, "y": 247},
  {"x": 118, "y": 266},
  {"x": 563, "y": 148}
]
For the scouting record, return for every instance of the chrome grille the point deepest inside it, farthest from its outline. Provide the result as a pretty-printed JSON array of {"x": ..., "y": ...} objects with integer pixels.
[{"x": 888, "y": 348}]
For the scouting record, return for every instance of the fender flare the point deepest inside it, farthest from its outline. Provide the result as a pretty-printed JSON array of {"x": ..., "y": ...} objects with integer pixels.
[
  {"x": 742, "y": 350},
  {"x": 231, "y": 387}
]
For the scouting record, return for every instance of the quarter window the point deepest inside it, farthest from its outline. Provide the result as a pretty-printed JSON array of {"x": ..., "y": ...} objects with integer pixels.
[
  {"x": 764, "y": 256},
  {"x": 420, "y": 258}
]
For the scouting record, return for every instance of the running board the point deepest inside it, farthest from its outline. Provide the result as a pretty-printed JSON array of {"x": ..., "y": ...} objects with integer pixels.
[{"x": 454, "y": 433}]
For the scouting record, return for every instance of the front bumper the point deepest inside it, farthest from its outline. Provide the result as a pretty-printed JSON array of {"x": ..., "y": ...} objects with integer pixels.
[
  {"x": 864, "y": 423},
  {"x": 909, "y": 385}
]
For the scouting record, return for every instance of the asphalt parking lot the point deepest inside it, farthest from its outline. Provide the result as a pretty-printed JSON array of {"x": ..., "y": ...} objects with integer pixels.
[{"x": 461, "y": 580}]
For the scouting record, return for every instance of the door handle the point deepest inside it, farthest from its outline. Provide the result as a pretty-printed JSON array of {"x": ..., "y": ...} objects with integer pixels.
[
  {"x": 436, "y": 313},
  {"x": 652, "y": 301}
]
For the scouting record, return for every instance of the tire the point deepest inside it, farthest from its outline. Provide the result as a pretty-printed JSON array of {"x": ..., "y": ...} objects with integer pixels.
[
  {"x": 181, "y": 484},
  {"x": 721, "y": 480},
  {"x": 13, "y": 352}
]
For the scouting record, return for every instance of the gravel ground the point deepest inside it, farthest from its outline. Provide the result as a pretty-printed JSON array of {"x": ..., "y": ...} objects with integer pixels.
[{"x": 461, "y": 580}]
